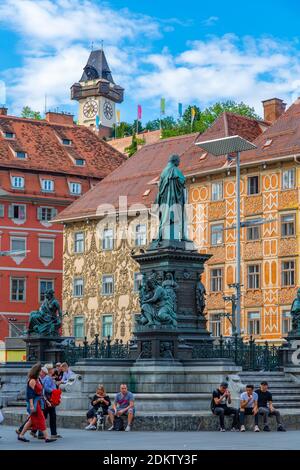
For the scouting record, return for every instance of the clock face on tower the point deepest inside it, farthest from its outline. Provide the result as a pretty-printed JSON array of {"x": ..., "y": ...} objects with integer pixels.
[
  {"x": 108, "y": 110},
  {"x": 90, "y": 109}
]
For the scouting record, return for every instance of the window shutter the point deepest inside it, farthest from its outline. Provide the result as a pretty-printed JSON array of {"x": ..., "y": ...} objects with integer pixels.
[
  {"x": 54, "y": 213},
  {"x": 39, "y": 213},
  {"x": 1, "y": 210},
  {"x": 11, "y": 211}
]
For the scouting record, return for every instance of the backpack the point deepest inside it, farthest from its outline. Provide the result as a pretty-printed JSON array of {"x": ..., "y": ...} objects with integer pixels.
[
  {"x": 118, "y": 424},
  {"x": 55, "y": 398}
]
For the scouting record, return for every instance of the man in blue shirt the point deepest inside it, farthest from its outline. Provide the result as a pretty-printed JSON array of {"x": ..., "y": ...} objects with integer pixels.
[
  {"x": 123, "y": 405},
  {"x": 249, "y": 407}
]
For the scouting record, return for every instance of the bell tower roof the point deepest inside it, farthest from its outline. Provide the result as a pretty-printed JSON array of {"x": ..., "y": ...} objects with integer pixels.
[{"x": 97, "y": 67}]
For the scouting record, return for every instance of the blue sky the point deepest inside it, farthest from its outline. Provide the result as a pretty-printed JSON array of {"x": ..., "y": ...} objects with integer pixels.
[{"x": 193, "y": 52}]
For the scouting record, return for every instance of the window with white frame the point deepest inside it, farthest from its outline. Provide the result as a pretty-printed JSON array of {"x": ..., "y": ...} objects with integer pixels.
[
  {"x": 138, "y": 279},
  {"x": 286, "y": 324},
  {"x": 253, "y": 272},
  {"x": 107, "y": 326},
  {"x": 18, "y": 245},
  {"x": 79, "y": 327},
  {"x": 216, "y": 234},
  {"x": 21, "y": 154},
  {"x": 288, "y": 179},
  {"x": 44, "y": 285},
  {"x": 216, "y": 279},
  {"x": 17, "y": 212},
  {"x": 254, "y": 323},
  {"x": 253, "y": 233},
  {"x": 46, "y": 248},
  {"x": 17, "y": 289},
  {"x": 217, "y": 191},
  {"x": 140, "y": 234},
  {"x": 75, "y": 188},
  {"x": 79, "y": 242},
  {"x": 253, "y": 185},
  {"x": 46, "y": 214},
  {"x": 288, "y": 225},
  {"x": 47, "y": 185},
  {"x": 108, "y": 239},
  {"x": 288, "y": 273},
  {"x": 17, "y": 182},
  {"x": 107, "y": 284},
  {"x": 17, "y": 329},
  {"x": 78, "y": 287},
  {"x": 215, "y": 324}
]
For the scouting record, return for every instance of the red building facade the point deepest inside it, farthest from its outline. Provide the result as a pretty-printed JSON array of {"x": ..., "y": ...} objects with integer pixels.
[{"x": 44, "y": 166}]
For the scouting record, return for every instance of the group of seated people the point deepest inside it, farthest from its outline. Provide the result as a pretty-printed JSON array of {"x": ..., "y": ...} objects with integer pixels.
[
  {"x": 252, "y": 403},
  {"x": 123, "y": 405}
]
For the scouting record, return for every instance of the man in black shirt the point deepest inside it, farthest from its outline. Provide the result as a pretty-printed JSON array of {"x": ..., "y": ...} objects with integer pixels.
[
  {"x": 266, "y": 408},
  {"x": 219, "y": 406}
]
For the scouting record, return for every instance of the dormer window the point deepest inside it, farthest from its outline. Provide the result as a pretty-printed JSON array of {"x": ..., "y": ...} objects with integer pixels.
[
  {"x": 17, "y": 182},
  {"x": 66, "y": 142},
  {"x": 75, "y": 188},
  {"x": 47, "y": 185},
  {"x": 79, "y": 162},
  {"x": 9, "y": 135},
  {"x": 267, "y": 143},
  {"x": 21, "y": 154}
]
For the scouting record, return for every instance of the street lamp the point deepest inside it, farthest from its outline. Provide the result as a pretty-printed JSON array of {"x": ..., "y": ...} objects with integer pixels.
[{"x": 224, "y": 146}]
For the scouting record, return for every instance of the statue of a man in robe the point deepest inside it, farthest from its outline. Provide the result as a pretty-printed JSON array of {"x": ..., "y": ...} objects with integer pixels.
[{"x": 171, "y": 201}]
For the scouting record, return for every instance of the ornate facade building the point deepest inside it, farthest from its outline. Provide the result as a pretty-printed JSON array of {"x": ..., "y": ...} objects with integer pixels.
[{"x": 101, "y": 280}]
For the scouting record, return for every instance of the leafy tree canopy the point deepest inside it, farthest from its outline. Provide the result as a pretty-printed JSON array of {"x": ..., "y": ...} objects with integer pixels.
[{"x": 27, "y": 112}]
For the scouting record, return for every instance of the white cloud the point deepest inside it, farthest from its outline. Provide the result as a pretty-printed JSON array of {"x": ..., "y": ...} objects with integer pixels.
[
  {"x": 56, "y": 38},
  {"x": 211, "y": 21},
  {"x": 224, "y": 68}
]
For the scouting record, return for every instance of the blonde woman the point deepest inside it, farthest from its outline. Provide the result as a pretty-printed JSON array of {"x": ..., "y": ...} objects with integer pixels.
[{"x": 100, "y": 399}]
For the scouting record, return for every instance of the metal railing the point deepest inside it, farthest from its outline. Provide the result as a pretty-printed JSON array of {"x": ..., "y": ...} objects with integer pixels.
[
  {"x": 97, "y": 349},
  {"x": 249, "y": 356}
]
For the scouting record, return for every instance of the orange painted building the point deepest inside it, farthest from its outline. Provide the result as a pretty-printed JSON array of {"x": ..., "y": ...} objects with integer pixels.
[{"x": 44, "y": 166}]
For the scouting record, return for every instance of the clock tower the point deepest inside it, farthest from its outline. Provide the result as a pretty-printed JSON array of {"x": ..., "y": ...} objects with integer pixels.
[{"x": 97, "y": 95}]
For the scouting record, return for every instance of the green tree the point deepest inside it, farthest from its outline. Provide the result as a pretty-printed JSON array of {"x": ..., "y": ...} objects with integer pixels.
[
  {"x": 133, "y": 147},
  {"x": 123, "y": 129},
  {"x": 210, "y": 114},
  {"x": 27, "y": 112},
  {"x": 167, "y": 122}
]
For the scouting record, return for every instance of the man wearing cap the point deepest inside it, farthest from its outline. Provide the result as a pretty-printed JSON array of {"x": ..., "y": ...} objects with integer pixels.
[
  {"x": 221, "y": 398},
  {"x": 49, "y": 385}
]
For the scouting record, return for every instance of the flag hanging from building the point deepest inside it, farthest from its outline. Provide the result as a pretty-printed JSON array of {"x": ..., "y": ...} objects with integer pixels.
[
  {"x": 162, "y": 106},
  {"x": 139, "y": 112},
  {"x": 180, "y": 109},
  {"x": 118, "y": 116}
]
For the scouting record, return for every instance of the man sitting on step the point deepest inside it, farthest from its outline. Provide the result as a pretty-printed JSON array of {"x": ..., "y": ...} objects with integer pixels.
[
  {"x": 249, "y": 407},
  {"x": 266, "y": 408},
  {"x": 219, "y": 406}
]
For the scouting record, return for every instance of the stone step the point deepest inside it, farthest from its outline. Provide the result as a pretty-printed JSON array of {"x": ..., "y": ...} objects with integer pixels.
[{"x": 176, "y": 421}]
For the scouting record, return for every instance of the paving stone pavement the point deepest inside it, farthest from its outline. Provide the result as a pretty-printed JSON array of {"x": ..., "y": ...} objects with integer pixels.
[{"x": 135, "y": 440}]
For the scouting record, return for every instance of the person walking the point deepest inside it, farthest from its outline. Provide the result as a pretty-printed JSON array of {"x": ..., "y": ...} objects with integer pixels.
[
  {"x": 49, "y": 385},
  {"x": 35, "y": 405}
]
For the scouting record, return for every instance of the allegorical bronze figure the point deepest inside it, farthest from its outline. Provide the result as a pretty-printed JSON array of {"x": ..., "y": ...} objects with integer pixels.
[{"x": 48, "y": 319}]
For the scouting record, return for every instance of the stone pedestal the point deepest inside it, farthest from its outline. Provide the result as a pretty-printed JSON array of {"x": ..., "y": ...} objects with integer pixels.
[
  {"x": 290, "y": 352},
  {"x": 186, "y": 265},
  {"x": 45, "y": 349}
]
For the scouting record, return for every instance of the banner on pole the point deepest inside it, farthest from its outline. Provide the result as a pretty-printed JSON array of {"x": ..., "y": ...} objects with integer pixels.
[
  {"x": 162, "y": 105},
  {"x": 139, "y": 112},
  {"x": 180, "y": 109},
  {"x": 118, "y": 113}
]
